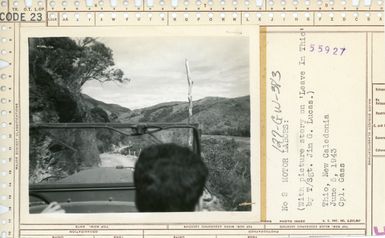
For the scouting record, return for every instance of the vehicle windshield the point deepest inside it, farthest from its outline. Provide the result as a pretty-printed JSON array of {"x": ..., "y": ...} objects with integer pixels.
[{"x": 63, "y": 154}]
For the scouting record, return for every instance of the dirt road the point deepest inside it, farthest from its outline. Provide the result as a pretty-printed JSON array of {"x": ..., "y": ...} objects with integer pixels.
[{"x": 113, "y": 160}]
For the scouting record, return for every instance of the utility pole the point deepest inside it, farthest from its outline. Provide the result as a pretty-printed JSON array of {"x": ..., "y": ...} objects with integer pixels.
[
  {"x": 190, "y": 101},
  {"x": 190, "y": 85}
]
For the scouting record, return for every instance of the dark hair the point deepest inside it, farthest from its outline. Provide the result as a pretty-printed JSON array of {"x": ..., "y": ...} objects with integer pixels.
[{"x": 168, "y": 178}]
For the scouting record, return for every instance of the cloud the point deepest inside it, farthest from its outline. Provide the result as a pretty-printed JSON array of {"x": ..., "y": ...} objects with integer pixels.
[{"x": 219, "y": 67}]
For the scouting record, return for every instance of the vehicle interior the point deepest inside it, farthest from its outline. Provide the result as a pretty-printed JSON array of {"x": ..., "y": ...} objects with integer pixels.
[{"x": 88, "y": 168}]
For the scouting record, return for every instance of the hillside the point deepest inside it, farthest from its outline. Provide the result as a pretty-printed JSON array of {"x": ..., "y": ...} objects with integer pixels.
[
  {"x": 216, "y": 115},
  {"x": 107, "y": 107},
  {"x": 56, "y": 77}
]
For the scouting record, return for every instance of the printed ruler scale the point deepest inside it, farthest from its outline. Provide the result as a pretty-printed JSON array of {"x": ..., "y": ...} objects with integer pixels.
[
  {"x": 364, "y": 17},
  {"x": 7, "y": 135},
  {"x": 105, "y": 13}
]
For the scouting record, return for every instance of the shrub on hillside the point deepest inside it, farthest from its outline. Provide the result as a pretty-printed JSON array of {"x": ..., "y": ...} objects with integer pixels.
[{"x": 229, "y": 172}]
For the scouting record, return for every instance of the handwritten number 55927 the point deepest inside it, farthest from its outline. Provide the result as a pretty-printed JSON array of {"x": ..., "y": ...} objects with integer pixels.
[{"x": 327, "y": 49}]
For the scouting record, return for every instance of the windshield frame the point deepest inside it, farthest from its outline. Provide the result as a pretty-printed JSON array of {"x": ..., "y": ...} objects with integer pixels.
[{"x": 140, "y": 129}]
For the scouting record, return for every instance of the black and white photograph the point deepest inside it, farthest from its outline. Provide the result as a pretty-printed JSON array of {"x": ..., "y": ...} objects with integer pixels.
[{"x": 139, "y": 124}]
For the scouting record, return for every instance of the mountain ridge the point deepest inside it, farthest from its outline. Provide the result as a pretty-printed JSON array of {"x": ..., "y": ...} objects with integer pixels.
[
  {"x": 215, "y": 115},
  {"x": 108, "y": 107}
]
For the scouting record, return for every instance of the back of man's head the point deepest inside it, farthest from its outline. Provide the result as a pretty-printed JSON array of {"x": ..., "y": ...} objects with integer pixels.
[{"x": 168, "y": 178}]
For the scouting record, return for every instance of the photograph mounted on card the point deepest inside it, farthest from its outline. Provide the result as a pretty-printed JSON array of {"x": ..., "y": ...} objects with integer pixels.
[{"x": 140, "y": 121}]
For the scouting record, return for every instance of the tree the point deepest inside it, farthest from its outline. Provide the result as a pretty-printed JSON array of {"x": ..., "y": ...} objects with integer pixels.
[
  {"x": 75, "y": 62},
  {"x": 96, "y": 63}
]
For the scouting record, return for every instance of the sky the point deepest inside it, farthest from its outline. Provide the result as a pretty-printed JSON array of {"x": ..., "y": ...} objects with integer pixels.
[{"x": 219, "y": 66}]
